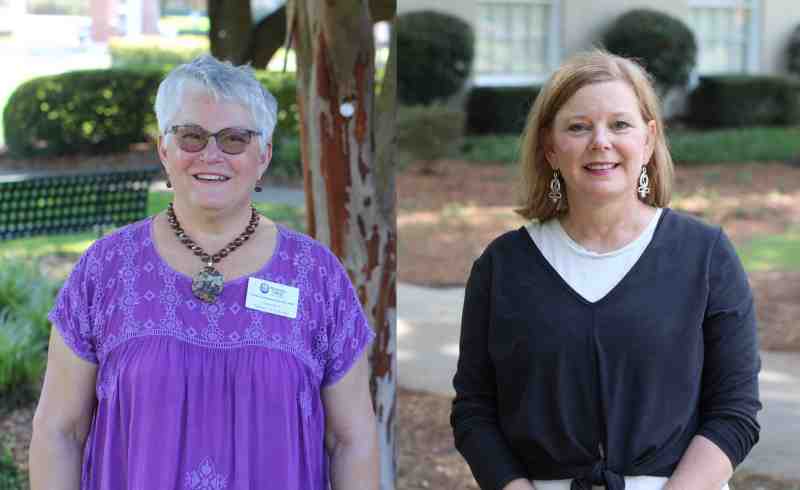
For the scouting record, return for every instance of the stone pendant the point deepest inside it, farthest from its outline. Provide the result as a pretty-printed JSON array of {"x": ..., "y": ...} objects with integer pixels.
[{"x": 207, "y": 284}]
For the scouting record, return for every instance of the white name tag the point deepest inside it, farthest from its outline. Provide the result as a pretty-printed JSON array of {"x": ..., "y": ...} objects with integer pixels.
[{"x": 271, "y": 297}]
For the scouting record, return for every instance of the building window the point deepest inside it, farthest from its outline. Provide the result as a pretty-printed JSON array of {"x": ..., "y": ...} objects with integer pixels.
[
  {"x": 516, "y": 41},
  {"x": 727, "y": 35}
]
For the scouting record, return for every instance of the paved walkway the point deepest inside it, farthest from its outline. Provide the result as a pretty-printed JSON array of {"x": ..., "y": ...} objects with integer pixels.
[{"x": 428, "y": 332}]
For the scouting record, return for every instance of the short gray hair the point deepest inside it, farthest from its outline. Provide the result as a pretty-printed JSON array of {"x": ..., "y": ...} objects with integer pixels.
[{"x": 222, "y": 80}]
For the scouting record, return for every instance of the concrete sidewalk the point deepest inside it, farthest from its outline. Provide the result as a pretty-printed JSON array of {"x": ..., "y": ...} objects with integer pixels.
[{"x": 428, "y": 328}]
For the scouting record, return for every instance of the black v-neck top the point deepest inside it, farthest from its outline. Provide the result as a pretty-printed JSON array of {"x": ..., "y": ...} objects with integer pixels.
[{"x": 551, "y": 386}]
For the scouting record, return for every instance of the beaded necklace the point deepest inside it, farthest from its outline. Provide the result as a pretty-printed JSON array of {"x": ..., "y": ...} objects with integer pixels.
[{"x": 207, "y": 284}]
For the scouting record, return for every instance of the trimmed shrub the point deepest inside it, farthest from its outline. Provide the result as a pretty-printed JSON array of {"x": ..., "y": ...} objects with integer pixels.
[
  {"x": 155, "y": 52},
  {"x": 286, "y": 159},
  {"x": 436, "y": 52},
  {"x": 664, "y": 45},
  {"x": 499, "y": 110},
  {"x": 793, "y": 52},
  {"x": 744, "y": 100},
  {"x": 105, "y": 111},
  {"x": 284, "y": 87},
  {"x": 94, "y": 111},
  {"x": 428, "y": 133}
]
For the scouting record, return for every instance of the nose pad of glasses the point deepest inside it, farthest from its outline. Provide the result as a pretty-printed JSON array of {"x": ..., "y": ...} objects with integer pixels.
[{"x": 212, "y": 147}]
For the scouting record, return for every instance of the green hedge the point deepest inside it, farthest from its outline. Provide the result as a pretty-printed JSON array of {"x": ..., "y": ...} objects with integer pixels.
[
  {"x": 105, "y": 111},
  {"x": 155, "y": 51},
  {"x": 744, "y": 100},
  {"x": 499, "y": 110},
  {"x": 94, "y": 111}
]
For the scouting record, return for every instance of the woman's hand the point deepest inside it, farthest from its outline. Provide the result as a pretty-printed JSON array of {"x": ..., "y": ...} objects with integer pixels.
[
  {"x": 703, "y": 466},
  {"x": 351, "y": 436},
  {"x": 519, "y": 484},
  {"x": 63, "y": 418}
]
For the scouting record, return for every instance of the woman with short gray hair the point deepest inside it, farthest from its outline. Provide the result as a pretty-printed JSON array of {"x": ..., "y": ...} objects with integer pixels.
[{"x": 207, "y": 347}]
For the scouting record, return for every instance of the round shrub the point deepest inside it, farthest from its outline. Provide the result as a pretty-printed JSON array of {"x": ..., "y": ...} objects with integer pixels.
[
  {"x": 664, "y": 45},
  {"x": 93, "y": 111},
  {"x": 793, "y": 52},
  {"x": 105, "y": 111},
  {"x": 436, "y": 52}
]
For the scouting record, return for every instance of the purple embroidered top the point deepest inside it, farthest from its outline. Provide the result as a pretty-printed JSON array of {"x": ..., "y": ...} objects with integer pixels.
[{"x": 207, "y": 396}]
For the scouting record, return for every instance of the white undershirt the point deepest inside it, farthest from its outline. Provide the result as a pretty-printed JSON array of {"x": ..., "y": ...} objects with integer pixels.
[{"x": 592, "y": 275}]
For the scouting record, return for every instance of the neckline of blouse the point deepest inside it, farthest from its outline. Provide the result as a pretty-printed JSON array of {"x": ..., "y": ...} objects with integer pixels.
[
  {"x": 646, "y": 233},
  {"x": 261, "y": 270},
  {"x": 626, "y": 278}
]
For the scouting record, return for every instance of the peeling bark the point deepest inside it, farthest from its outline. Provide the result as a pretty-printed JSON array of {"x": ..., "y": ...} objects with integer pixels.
[{"x": 349, "y": 180}]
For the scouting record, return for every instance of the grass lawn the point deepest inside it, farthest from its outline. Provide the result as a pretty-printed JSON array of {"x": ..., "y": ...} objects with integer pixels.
[
  {"x": 686, "y": 147},
  {"x": 77, "y": 243},
  {"x": 779, "y": 252}
]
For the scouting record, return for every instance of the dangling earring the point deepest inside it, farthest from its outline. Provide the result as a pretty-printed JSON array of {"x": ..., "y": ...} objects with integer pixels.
[
  {"x": 644, "y": 183},
  {"x": 169, "y": 184},
  {"x": 258, "y": 188},
  {"x": 555, "y": 187}
]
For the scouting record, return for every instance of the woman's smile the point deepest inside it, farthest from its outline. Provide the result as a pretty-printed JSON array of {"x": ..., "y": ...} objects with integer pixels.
[
  {"x": 211, "y": 178},
  {"x": 600, "y": 169}
]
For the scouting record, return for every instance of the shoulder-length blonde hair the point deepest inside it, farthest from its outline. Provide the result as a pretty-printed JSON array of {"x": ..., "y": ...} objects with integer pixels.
[{"x": 584, "y": 69}]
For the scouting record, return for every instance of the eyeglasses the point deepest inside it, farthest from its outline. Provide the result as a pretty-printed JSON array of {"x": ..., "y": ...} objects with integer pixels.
[{"x": 192, "y": 138}]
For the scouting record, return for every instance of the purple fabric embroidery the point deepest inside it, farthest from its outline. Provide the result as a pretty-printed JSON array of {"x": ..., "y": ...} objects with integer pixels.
[
  {"x": 180, "y": 381},
  {"x": 205, "y": 477}
]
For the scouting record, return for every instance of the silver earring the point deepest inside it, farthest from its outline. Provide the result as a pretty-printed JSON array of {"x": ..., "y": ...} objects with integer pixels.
[
  {"x": 644, "y": 183},
  {"x": 555, "y": 187}
]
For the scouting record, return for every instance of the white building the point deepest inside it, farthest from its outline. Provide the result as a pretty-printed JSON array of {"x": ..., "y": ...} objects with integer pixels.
[{"x": 520, "y": 41}]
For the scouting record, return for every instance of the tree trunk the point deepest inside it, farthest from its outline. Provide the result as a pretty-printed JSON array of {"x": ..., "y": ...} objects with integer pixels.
[
  {"x": 266, "y": 38},
  {"x": 231, "y": 23},
  {"x": 233, "y": 36},
  {"x": 349, "y": 183}
]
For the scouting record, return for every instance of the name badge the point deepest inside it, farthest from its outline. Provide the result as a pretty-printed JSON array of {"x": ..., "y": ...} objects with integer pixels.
[{"x": 271, "y": 297}]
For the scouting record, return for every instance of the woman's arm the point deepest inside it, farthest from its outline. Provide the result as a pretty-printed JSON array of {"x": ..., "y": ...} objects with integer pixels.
[
  {"x": 62, "y": 420},
  {"x": 703, "y": 467},
  {"x": 474, "y": 418},
  {"x": 729, "y": 391},
  {"x": 351, "y": 435}
]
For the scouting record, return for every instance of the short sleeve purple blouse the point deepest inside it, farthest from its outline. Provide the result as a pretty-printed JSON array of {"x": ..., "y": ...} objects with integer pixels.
[{"x": 194, "y": 395}]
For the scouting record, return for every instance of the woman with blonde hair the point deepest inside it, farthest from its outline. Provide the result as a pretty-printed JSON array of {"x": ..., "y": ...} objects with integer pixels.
[{"x": 611, "y": 341}]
